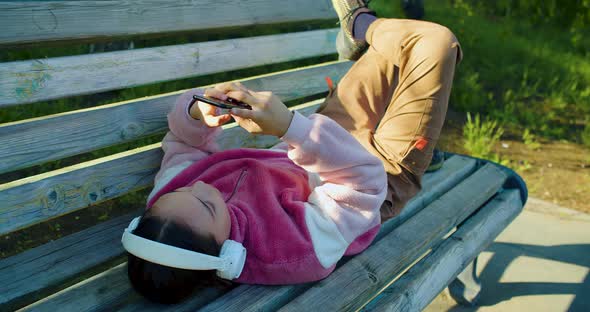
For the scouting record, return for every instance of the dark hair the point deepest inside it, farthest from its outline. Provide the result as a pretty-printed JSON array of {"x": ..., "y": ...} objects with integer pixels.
[{"x": 165, "y": 284}]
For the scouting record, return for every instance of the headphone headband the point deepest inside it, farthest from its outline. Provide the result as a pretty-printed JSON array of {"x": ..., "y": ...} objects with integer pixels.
[{"x": 229, "y": 264}]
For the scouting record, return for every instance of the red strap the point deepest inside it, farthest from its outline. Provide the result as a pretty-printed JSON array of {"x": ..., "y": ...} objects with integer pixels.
[
  {"x": 329, "y": 82},
  {"x": 421, "y": 143}
]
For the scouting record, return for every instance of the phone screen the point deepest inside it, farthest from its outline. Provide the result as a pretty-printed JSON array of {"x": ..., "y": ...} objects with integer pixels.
[{"x": 229, "y": 104}]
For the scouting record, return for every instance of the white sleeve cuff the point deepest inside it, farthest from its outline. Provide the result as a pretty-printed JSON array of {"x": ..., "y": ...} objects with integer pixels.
[{"x": 298, "y": 130}]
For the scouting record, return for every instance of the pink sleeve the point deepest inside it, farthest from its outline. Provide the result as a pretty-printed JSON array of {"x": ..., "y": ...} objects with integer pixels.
[
  {"x": 319, "y": 144},
  {"x": 345, "y": 202},
  {"x": 189, "y": 139}
]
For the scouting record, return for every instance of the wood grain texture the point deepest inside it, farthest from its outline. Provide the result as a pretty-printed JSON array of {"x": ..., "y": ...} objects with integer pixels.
[
  {"x": 367, "y": 273},
  {"x": 43, "y": 79},
  {"x": 425, "y": 280},
  {"x": 24, "y": 22},
  {"x": 31, "y": 275},
  {"x": 106, "y": 291},
  {"x": 111, "y": 291},
  {"x": 39, "y": 140},
  {"x": 58, "y": 192},
  {"x": 246, "y": 298},
  {"x": 242, "y": 298},
  {"x": 435, "y": 184}
]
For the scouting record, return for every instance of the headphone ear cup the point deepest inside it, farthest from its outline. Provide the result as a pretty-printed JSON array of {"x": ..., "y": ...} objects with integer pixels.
[{"x": 233, "y": 255}]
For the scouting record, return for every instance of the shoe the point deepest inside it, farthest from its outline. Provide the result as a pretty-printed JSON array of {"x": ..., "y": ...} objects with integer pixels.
[
  {"x": 438, "y": 158},
  {"x": 347, "y": 46}
]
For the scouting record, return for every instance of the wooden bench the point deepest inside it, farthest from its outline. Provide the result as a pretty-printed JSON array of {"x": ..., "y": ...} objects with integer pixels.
[{"x": 460, "y": 210}]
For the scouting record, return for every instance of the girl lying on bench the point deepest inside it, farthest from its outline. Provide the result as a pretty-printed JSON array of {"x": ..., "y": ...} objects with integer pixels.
[{"x": 287, "y": 214}]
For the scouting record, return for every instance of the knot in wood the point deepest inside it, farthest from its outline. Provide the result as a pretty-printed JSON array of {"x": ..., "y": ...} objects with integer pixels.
[
  {"x": 44, "y": 19},
  {"x": 131, "y": 130},
  {"x": 53, "y": 201},
  {"x": 372, "y": 277},
  {"x": 92, "y": 192}
]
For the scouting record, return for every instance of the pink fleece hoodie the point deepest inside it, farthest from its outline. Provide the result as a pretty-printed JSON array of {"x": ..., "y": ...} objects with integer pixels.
[{"x": 298, "y": 207}]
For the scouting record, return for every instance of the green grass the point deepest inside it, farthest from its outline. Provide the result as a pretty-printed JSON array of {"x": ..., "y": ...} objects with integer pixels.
[
  {"x": 530, "y": 140},
  {"x": 481, "y": 136},
  {"x": 523, "y": 75}
]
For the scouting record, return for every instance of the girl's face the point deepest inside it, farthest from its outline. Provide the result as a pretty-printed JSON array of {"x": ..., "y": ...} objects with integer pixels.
[{"x": 200, "y": 206}]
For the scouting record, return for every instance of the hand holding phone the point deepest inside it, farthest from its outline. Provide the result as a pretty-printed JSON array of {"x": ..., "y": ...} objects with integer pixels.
[
  {"x": 226, "y": 104},
  {"x": 209, "y": 114},
  {"x": 269, "y": 114},
  {"x": 257, "y": 112}
]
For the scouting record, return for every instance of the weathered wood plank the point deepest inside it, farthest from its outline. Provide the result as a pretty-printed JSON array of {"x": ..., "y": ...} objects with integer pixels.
[
  {"x": 31, "y": 275},
  {"x": 425, "y": 280},
  {"x": 367, "y": 273},
  {"x": 24, "y": 21},
  {"x": 434, "y": 185},
  {"x": 247, "y": 298},
  {"x": 43, "y": 79},
  {"x": 60, "y": 191},
  {"x": 110, "y": 291},
  {"x": 35, "y": 141},
  {"x": 256, "y": 298},
  {"x": 244, "y": 297},
  {"x": 106, "y": 293}
]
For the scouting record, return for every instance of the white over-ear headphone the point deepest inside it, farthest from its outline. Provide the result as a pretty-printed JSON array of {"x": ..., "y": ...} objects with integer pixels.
[{"x": 229, "y": 264}]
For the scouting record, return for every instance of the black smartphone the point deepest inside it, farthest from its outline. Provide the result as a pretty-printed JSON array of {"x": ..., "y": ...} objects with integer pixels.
[{"x": 228, "y": 104}]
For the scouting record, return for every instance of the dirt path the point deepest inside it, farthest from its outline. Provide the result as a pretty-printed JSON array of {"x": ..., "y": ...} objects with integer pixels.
[{"x": 558, "y": 172}]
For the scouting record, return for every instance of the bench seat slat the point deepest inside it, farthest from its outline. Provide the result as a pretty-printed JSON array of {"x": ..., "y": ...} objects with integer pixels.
[
  {"x": 31, "y": 275},
  {"x": 251, "y": 298},
  {"x": 454, "y": 170},
  {"x": 367, "y": 273},
  {"x": 425, "y": 280},
  {"x": 25, "y": 21},
  {"x": 255, "y": 296},
  {"x": 44, "y": 79},
  {"x": 109, "y": 291},
  {"x": 38, "y": 140},
  {"x": 61, "y": 191}
]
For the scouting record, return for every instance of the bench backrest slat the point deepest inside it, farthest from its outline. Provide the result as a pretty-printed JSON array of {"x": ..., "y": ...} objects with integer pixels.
[
  {"x": 25, "y": 22},
  {"x": 38, "y": 140},
  {"x": 60, "y": 191},
  {"x": 44, "y": 79}
]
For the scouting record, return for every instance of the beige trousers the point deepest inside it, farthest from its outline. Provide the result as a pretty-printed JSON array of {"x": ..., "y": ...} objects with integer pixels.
[{"x": 394, "y": 100}]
